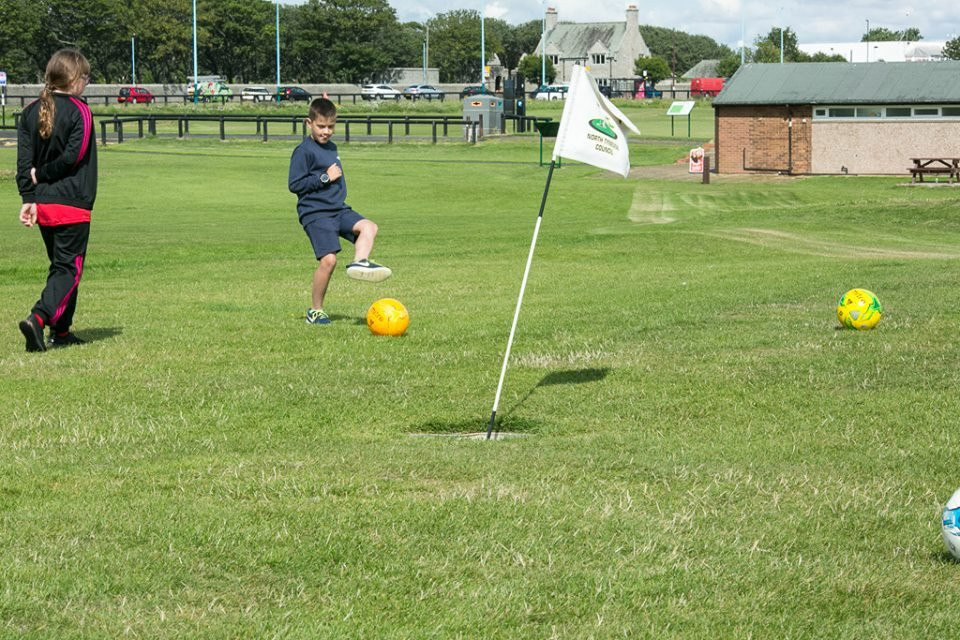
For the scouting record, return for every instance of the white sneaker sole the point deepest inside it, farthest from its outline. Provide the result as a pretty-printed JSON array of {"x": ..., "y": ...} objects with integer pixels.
[{"x": 377, "y": 274}]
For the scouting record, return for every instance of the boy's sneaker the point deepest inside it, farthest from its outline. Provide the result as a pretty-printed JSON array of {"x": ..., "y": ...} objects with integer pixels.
[
  {"x": 317, "y": 316},
  {"x": 369, "y": 271},
  {"x": 33, "y": 332},
  {"x": 69, "y": 340}
]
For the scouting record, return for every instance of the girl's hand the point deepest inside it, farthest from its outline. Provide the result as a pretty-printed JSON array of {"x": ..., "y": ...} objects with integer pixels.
[
  {"x": 28, "y": 214},
  {"x": 33, "y": 174}
]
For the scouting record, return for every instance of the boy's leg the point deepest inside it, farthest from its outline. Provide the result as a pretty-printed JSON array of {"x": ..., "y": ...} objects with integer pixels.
[
  {"x": 362, "y": 232},
  {"x": 322, "y": 232},
  {"x": 366, "y": 232},
  {"x": 321, "y": 278}
]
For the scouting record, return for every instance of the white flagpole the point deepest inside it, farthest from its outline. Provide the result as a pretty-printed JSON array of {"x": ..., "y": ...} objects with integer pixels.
[{"x": 516, "y": 313}]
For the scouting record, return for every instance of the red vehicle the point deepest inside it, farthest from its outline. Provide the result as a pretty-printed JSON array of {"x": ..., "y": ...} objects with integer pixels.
[
  {"x": 135, "y": 94},
  {"x": 706, "y": 86}
]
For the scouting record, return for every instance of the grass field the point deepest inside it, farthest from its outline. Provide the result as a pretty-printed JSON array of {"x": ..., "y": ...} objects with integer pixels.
[{"x": 700, "y": 452}]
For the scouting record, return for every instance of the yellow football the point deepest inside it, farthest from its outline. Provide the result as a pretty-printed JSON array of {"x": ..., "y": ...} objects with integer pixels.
[
  {"x": 859, "y": 309},
  {"x": 388, "y": 317}
]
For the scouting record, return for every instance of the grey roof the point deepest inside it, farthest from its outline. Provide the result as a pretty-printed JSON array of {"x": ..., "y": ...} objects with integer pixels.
[
  {"x": 843, "y": 83},
  {"x": 576, "y": 38},
  {"x": 703, "y": 69}
]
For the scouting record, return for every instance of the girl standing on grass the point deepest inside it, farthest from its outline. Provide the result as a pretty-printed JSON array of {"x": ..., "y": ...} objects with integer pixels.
[{"x": 57, "y": 179}]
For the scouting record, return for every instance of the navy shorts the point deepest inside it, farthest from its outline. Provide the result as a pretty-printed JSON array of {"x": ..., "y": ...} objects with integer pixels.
[{"x": 326, "y": 230}]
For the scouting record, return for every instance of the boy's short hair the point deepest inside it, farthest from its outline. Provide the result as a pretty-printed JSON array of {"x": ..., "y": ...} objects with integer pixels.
[{"x": 322, "y": 107}]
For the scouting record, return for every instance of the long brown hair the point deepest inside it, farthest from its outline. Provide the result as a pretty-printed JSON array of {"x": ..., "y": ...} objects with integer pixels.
[{"x": 64, "y": 68}]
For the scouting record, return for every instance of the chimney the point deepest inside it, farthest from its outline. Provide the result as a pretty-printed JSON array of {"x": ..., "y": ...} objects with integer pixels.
[
  {"x": 633, "y": 18},
  {"x": 551, "y": 18}
]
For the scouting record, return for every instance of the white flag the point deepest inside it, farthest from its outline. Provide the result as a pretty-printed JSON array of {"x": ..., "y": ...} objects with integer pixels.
[{"x": 592, "y": 130}]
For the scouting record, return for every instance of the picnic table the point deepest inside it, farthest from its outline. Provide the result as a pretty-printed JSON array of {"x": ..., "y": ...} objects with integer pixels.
[{"x": 935, "y": 166}]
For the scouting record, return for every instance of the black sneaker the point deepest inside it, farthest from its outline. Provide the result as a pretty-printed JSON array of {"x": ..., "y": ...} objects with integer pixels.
[
  {"x": 33, "y": 332},
  {"x": 69, "y": 340},
  {"x": 369, "y": 271}
]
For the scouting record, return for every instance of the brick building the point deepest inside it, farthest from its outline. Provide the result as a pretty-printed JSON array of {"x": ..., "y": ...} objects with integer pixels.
[{"x": 837, "y": 117}]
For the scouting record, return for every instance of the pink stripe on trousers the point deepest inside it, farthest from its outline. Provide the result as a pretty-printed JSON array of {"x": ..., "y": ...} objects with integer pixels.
[{"x": 78, "y": 264}]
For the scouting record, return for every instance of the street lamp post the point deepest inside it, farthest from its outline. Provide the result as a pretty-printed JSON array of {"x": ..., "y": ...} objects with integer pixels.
[
  {"x": 196, "y": 98},
  {"x": 277, "y": 30},
  {"x": 868, "y": 41},
  {"x": 543, "y": 52},
  {"x": 133, "y": 59},
  {"x": 483, "y": 48}
]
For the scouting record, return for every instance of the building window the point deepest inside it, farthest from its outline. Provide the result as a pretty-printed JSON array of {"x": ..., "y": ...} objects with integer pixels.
[
  {"x": 555, "y": 59},
  {"x": 842, "y": 112},
  {"x": 877, "y": 112},
  {"x": 598, "y": 58},
  {"x": 898, "y": 112}
]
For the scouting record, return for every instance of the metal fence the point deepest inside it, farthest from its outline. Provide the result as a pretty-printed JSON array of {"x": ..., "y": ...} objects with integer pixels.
[
  {"x": 180, "y": 98},
  {"x": 351, "y": 126}
]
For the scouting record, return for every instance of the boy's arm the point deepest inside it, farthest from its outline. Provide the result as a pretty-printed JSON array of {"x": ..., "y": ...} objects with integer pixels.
[
  {"x": 77, "y": 148},
  {"x": 301, "y": 180},
  {"x": 25, "y": 162}
]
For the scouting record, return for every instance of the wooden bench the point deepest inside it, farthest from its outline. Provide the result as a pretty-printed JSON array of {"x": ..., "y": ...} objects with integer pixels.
[{"x": 936, "y": 167}]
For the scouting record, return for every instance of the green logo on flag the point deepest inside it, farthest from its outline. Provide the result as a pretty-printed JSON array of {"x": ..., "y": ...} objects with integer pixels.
[{"x": 603, "y": 127}]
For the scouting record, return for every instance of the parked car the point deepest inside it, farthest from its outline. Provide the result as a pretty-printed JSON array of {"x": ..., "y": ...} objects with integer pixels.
[
  {"x": 378, "y": 92},
  {"x": 135, "y": 94},
  {"x": 422, "y": 91},
  {"x": 256, "y": 94},
  {"x": 551, "y": 92},
  {"x": 296, "y": 94},
  {"x": 473, "y": 90},
  {"x": 210, "y": 91}
]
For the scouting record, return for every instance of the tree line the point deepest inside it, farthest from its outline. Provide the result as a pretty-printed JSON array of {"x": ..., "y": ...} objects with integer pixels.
[{"x": 321, "y": 41}]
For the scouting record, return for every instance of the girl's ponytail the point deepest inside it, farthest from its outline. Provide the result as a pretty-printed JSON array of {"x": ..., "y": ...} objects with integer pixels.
[
  {"x": 65, "y": 68},
  {"x": 47, "y": 111}
]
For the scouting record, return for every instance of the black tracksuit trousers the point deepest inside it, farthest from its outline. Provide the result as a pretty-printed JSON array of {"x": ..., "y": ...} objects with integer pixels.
[{"x": 67, "y": 248}]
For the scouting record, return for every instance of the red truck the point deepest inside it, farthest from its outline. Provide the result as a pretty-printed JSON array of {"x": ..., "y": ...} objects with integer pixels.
[{"x": 706, "y": 86}]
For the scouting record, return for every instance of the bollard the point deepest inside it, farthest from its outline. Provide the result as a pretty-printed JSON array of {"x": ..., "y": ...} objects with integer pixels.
[{"x": 706, "y": 169}]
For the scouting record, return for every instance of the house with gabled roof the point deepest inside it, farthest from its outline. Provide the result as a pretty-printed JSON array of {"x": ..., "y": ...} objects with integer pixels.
[
  {"x": 837, "y": 117},
  {"x": 607, "y": 49}
]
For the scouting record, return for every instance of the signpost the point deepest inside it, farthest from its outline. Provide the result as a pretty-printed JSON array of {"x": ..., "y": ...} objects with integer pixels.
[
  {"x": 3, "y": 97},
  {"x": 681, "y": 108}
]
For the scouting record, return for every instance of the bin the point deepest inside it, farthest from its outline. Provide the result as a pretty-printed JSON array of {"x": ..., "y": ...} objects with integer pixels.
[{"x": 485, "y": 107}]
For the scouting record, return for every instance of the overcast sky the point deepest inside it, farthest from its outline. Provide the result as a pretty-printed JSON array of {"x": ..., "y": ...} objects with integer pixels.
[{"x": 812, "y": 20}]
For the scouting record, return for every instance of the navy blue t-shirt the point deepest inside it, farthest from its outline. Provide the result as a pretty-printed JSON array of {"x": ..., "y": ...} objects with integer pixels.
[{"x": 309, "y": 160}]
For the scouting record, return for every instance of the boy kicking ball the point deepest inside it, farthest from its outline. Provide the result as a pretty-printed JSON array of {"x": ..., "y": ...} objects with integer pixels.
[{"x": 316, "y": 176}]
